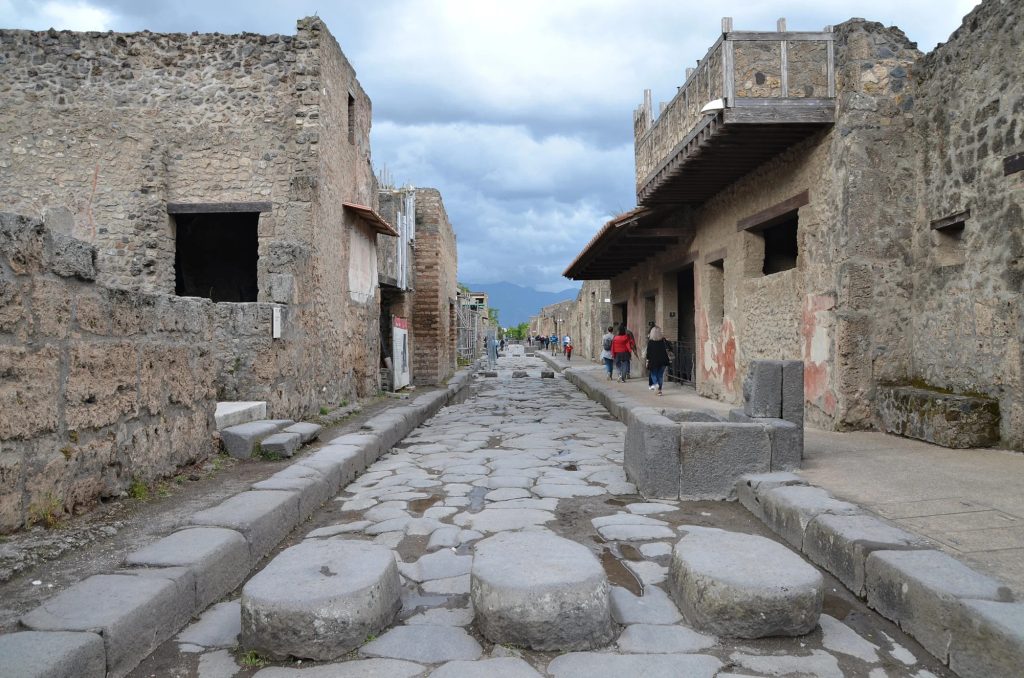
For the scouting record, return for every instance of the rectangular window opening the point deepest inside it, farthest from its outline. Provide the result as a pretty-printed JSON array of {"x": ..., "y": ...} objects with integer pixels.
[
  {"x": 780, "y": 245},
  {"x": 716, "y": 293},
  {"x": 351, "y": 119},
  {"x": 216, "y": 255},
  {"x": 948, "y": 242}
]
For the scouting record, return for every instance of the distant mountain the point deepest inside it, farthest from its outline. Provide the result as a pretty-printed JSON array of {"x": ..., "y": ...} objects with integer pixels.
[{"x": 516, "y": 304}]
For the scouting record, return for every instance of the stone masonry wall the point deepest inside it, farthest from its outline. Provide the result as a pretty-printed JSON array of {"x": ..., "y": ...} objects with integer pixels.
[
  {"x": 101, "y": 130},
  {"x": 435, "y": 262},
  {"x": 967, "y": 319},
  {"x": 98, "y": 387}
]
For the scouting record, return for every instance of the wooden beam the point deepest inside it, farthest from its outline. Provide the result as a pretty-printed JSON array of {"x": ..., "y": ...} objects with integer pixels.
[
  {"x": 216, "y": 207},
  {"x": 1013, "y": 163},
  {"x": 775, "y": 36},
  {"x": 946, "y": 222},
  {"x": 765, "y": 217}
]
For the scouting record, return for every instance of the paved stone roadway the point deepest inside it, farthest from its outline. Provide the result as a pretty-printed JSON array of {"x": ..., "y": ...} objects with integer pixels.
[{"x": 531, "y": 453}]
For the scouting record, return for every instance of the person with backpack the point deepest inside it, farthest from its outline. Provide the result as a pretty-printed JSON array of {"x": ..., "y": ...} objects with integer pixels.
[
  {"x": 606, "y": 351},
  {"x": 658, "y": 357}
]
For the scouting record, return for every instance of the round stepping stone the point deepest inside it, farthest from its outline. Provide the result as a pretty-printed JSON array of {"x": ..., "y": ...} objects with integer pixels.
[
  {"x": 320, "y": 599},
  {"x": 743, "y": 586},
  {"x": 538, "y": 590}
]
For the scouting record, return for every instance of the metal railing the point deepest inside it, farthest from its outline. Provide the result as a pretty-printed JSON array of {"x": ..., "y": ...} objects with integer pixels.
[{"x": 684, "y": 368}]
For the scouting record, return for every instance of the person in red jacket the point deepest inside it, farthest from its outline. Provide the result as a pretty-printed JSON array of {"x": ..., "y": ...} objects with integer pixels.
[{"x": 621, "y": 351}]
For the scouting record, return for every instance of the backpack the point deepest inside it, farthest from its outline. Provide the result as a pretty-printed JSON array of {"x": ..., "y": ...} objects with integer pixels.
[{"x": 607, "y": 343}]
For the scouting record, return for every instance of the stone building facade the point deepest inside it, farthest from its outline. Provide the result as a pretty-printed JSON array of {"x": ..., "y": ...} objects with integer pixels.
[
  {"x": 434, "y": 312},
  {"x": 214, "y": 183},
  {"x": 395, "y": 256},
  {"x": 584, "y": 319},
  {"x": 839, "y": 198}
]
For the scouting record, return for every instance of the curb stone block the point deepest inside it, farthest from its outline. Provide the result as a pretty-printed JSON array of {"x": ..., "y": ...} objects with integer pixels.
[
  {"x": 346, "y": 461},
  {"x": 240, "y": 440},
  {"x": 793, "y": 392},
  {"x": 52, "y": 654},
  {"x": 788, "y": 510},
  {"x": 751, "y": 485},
  {"x": 133, "y": 614},
  {"x": 738, "y": 416},
  {"x": 714, "y": 454},
  {"x": 651, "y": 454},
  {"x": 368, "y": 443},
  {"x": 312, "y": 492},
  {"x": 842, "y": 544},
  {"x": 217, "y": 557},
  {"x": 922, "y": 591},
  {"x": 787, "y": 443},
  {"x": 264, "y": 517},
  {"x": 992, "y": 644},
  {"x": 762, "y": 389},
  {"x": 281, "y": 444}
]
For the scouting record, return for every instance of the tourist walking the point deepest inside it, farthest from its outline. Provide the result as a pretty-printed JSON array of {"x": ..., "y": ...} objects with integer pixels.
[
  {"x": 554, "y": 343},
  {"x": 632, "y": 348},
  {"x": 567, "y": 347},
  {"x": 606, "y": 351},
  {"x": 658, "y": 358},
  {"x": 621, "y": 352}
]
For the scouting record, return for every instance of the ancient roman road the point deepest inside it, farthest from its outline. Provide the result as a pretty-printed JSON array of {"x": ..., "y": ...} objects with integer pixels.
[{"x": 527, "y": 453}]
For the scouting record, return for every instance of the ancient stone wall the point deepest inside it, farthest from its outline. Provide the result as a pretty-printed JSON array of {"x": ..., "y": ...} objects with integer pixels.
[
  {"x": 101, "y": 132},
  {"x": 434, "y": 327},
  {"x": 589, "y": 317},
  {"x": 967, "y": 319},
  {"x": 99, "y": 387}
]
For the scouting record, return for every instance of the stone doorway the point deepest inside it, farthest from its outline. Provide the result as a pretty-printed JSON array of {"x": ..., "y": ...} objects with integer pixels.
[{"x": 216, "y": 255}]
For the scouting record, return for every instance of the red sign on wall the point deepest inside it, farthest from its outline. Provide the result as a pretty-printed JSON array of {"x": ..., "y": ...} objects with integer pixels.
[{"x": 400, "y": 323}]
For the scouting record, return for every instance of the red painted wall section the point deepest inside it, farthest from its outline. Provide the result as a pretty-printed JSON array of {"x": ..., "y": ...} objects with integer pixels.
[
  {"x": 816, "y": 343},
  {"x": 716, "y": 356}
]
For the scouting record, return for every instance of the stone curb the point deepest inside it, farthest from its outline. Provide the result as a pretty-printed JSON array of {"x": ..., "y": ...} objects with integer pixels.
[
  {"x": 243, "y": 529},
  {"x": 962, "y": 617}
]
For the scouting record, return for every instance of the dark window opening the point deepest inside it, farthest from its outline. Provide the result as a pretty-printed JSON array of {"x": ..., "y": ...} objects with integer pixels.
[
  {"x": 949, "y": 244},
  {"x": 780, "y": 245},
  {"x": 216, "y": 255},
  {"x": 351, "y": 119},
  {"x": 716, "y": 293}
]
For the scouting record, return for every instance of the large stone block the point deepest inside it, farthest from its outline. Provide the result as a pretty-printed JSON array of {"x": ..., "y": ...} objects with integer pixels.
[
  {"x": 52, "y": 654},
  {"x": 217, "y": 557},
  {"x": 793, "y": 392},
  {"x": 313, "y": 490},
  {"x": 991, "y": 643},
  {"x": 263, "y": 517},
  {"x": 651, "y": 456},
  {"x": 320, "y": 599},
  {"x": 742, "y": 585},
  {"x": 789, "y": 510},
  {"x": 762, "y": 389},
  {"x": 714, "y": 455},
  {"x": 842, "y": 544},
  {"x": 540, "y": 591},
  {"x": 341, "y": 461},
  {"x": 938, "y": 417},
  {"x": 787, "y": 440},
  {"x": 133, "y": 614},
  {"x": 923, "y": 592},
  {"x": 370, "y": 444},
  {"x": 234, "y": 413},
  {"x": 240, "y": 441},
  {"x": 280, "y": 444},
  {"x": 750, "y": 486},
  {"x": 308, "y": 431}
]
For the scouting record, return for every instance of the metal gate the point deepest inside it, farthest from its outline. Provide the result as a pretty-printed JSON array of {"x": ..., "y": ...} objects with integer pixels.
[{"x": 684, "y": 368}]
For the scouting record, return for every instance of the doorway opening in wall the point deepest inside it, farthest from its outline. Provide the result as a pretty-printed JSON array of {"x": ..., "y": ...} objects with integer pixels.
[
  {"x": 620, "y": 314},
  {"x": 216, "y": 255},
  {"x": 685, "y": 346},
  {"x": 780, "y": 245},
  {"x": 650, "y": 308}
]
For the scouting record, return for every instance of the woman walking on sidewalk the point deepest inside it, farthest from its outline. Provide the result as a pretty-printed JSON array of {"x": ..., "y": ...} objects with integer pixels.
[
  {"x": 621, "y": 351},
  {"x": 657, "y": 357}
]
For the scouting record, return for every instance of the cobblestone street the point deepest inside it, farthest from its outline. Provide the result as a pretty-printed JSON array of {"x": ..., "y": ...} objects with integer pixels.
[{"x": 534, "y": 454}]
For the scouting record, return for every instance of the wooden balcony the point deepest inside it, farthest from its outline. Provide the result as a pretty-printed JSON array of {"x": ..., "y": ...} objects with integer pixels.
[{"x": 753, "y": 95}]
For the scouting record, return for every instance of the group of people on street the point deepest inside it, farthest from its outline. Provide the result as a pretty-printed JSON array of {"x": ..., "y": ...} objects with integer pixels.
[{"x": 618, "y": 347}]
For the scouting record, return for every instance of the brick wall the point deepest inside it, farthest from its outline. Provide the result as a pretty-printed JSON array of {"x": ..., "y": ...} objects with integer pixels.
[{"x": 435, "y": 268}]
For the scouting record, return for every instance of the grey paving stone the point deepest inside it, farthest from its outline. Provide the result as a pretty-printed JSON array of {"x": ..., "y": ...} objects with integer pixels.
[
  {"x": 264, "y": 518},
  {"x": 438, "y": 565},
  {"x": 52, "y": 654},
  {"x": 507, "y": 493},
  {"x": 838, "y": 637},
  {"x": 443, "y": 616},
  {"x": 819, "y": 664},
  {"x": 307, "y": 430},
  {"x": 842, "y": 544},
  {"x": 501, "y": 667},
  {"x": 789, "y": 509},
  {"x": 280, "y": 444},
  {"x": 541, "y": 591},
  {"x": 334, "y": 530},
  {"x": 359, "y": 668},
  {"x": 635, "y": 532},
  {"x": 567, "y": 491},
  {"x": 742, "y": 585},
  {"x": 240, "y": 441},
  {"x": 649, "y": 509},
  {"x": 654, "y": 607},
  {"x": 219, "y": 626},
  {"x": 133, "y": 614},
  {"x": 424, "y": 643},
  {"x": 607, "y": 665},
  {"x": 320, "y": 599},
  {"x": 218, "y": 558},
  {"x": 923, "y": 591},
  {"x": 661, "y": 639},
  {"x": 500, "y": 520},
  {"x": 217, "y": 664},
  {"x": 992, "y": 643}
]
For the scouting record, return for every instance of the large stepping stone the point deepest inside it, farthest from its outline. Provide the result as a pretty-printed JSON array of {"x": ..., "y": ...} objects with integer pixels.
[
  {"x": 233, "y": 413},
  {"x": 240, "y": 441},
  {"x": 743, "y": 586},
  {"x": 281, "y": 444},
  {"x": 538, "y": 590},
  {"x": 320, "y": 599},
  {"x": 306, "y": 430}
]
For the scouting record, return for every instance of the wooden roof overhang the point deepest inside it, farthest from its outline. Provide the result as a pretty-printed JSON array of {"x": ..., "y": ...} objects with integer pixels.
[
  {"x": 373, "y": 220},
  {"x": 622, "y": 243},
  {"x": 731, "y": 143}
]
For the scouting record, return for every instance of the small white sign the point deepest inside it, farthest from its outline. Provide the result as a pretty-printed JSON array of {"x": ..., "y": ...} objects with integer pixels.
[{"x": 276, "y": 324}]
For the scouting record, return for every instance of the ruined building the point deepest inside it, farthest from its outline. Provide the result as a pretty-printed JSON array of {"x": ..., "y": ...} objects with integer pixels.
[
  {"x": 584, "y": 319},
  {"x": 197, "y": 224},
  {"x": 840, "y": 198}
]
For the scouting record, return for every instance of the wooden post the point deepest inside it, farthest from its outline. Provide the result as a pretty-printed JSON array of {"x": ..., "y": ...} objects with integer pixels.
[
  {"x": 780, "y": 26},
  {"x": 726, "y": 24},
  {"x": 831, "y": 71}
]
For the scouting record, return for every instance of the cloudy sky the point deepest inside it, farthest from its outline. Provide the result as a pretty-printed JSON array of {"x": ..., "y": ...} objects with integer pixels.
[{"x": 519, "y": 111}]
